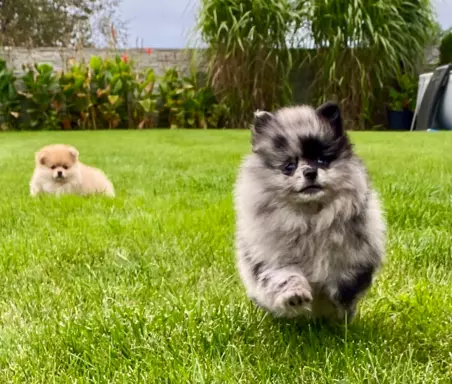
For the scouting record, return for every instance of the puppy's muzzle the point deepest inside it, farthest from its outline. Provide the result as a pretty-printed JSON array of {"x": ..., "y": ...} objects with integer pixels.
[{"x": 311, "y": 186}]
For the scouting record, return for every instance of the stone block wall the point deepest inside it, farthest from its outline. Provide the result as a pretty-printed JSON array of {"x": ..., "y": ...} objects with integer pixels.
[{"x": 159, "y": 59}]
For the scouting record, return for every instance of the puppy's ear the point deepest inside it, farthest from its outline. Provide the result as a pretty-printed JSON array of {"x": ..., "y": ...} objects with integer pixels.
[
  {"x": 40, "y": 157},
  {"x": 74, "y": 153},
  {"x": 261, "y": 120},
  {"x": 331, "y": 112}
]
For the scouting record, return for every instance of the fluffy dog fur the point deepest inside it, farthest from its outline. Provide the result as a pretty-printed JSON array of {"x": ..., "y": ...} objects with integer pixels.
[
  {"x": 58, "y": 171},
  {"x": 309, "y": 231}
]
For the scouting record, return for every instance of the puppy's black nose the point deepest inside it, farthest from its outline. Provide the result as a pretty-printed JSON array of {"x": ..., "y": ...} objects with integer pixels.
[
  {"x": 310, "y": 173},
  {"x": 59, "y": 174}
]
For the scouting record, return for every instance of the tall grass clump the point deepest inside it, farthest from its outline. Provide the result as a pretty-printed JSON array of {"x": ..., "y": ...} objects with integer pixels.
[
  {"x": 249, "y": 58},
  {"x": 363, "y": 45}
]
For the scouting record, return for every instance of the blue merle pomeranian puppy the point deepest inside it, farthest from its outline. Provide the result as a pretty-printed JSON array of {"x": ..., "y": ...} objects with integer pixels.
[{"x": 310, "y": 234}]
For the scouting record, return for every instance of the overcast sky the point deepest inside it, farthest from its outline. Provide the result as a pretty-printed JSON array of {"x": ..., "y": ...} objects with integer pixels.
[{"x": 167, "y": 23}]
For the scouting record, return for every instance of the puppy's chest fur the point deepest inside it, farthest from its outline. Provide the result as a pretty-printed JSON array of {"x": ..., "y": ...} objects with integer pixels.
[
  {"x": 69, "y": 186},
  {"x": 53, "y": 186},
  {"x": 322, "y": 253}
]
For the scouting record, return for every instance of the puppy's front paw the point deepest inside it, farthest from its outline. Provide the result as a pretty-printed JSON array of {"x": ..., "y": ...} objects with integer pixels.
[
  {"x": 34, "y": 191},
  {"x": 294, "y": 299}
]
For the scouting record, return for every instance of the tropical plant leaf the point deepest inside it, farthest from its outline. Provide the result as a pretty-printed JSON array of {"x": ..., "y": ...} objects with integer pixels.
[{"x": 113, "y": 99}]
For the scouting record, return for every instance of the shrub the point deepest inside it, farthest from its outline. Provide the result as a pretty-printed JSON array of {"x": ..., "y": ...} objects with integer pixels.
[
  {"x": 445, "y": 49},
  {"x": 76, "y": 98},
  {"x": 112, "y": 86},
  {"x": 404, "y": 95},
  {"x": 40, "y": 97},
  {"x": 145, "y": 101},
  {"x": 108, "y": 93},
  {"x": 9, "y": 100},
  {"x": 185, "y": 103}
]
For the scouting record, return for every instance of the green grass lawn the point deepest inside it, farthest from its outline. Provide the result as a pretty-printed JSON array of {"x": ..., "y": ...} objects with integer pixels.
[{"x": 143, "y": 288}]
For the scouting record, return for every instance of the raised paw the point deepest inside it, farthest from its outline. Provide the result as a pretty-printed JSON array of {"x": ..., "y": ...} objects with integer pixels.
[{"x": 295, "y": 300}]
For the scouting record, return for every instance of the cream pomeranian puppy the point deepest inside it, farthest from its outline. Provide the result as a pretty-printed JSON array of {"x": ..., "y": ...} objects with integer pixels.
[{"x": 58, "y": 171}]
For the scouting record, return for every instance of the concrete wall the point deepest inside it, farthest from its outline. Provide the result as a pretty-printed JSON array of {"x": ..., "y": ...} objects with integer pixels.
[{"x": 159, "y": 59}]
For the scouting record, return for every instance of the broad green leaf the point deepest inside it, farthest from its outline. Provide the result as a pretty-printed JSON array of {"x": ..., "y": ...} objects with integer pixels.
[
  {"x": 113, "y": 99},
  {"x": 146, "y": 104},
  {"x": 95, "y": 63}
]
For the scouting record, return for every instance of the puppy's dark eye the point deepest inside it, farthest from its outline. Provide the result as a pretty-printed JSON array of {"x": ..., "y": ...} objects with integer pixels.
[
  {"x": 289, "y": 168},
  {"x": 65, "y": 166},
  {"x": 53, "y": 166}
]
